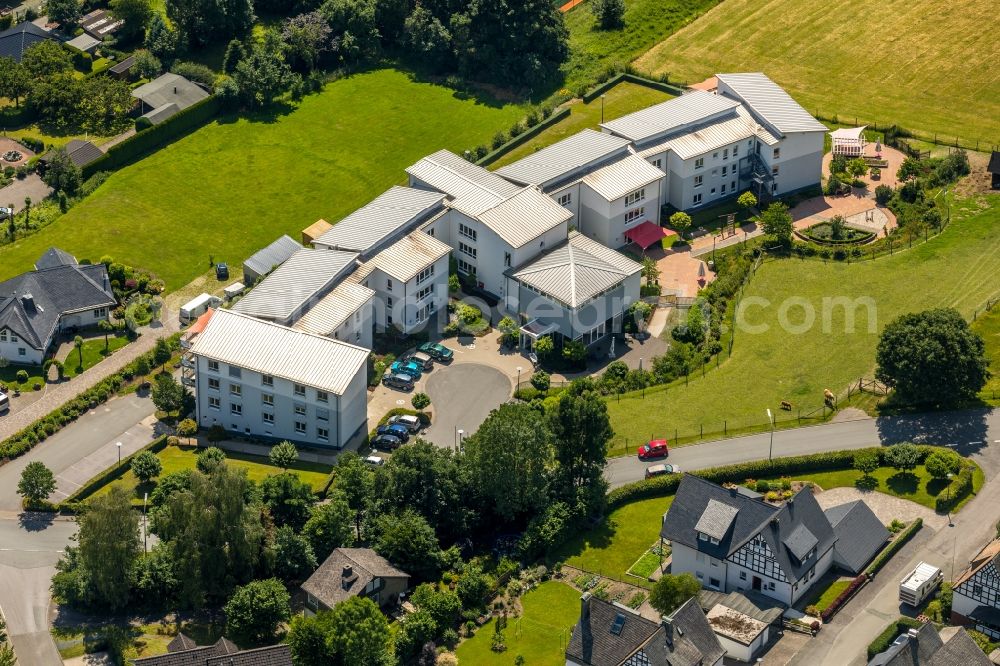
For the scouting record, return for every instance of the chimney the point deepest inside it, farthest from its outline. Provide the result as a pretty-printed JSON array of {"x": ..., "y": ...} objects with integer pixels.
[
  {"x": 668, "y": 632},
  {"x": 175, "y": 90},
  {"x": 28, "y": 301},
  {"x": 774, "y": 523},
  {"x": 733, "y": 491},
  {"x": 348, "y": 571}
]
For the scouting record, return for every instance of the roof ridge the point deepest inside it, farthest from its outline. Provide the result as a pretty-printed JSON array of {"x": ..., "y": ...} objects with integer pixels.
[
  {"x": 450, "y": 169},
  {"x": 286, "y": 328}
]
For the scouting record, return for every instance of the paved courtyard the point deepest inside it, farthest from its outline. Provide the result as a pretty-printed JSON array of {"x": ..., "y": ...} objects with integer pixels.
[{"x": 886, "y": 507}]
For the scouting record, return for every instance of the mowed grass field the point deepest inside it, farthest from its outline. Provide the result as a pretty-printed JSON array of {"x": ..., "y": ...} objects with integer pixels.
[
  {"x": 988, "y": 326},
  {"x": 922, "y": 64},
  {"x": 772, "y": 362},
  {"x": 235, "y": 185}
]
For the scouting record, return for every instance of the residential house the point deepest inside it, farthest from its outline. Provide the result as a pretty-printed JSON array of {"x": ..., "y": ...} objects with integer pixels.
[
  {"x": 80, "y": 152},
  {"x": 167, "y": 95},
  {"x": 59, "y": 295},
  {"x": 260, "y": 378},
  {"x": 730, "y": 541},
  {"x": 976, "y": 592},
  {"x": 577, "y": 290},
  {"x": 611, "y": 634},
  {"x": 743, "y": 622},
  {"x": 346, "y": 313},
  {"x": 298, "y": 284},
  {"x": 354, "y": 572},
  {"x": 266, "y": 260},
  {"x": 100, "y": 24},
  {"x": 924, "y": 647},
  {"x": 619, "y": 199},
  {"x": 183, "y": 651},
  {"x": 492, "y": 224},
  {"x": 14, "y": 41},
  {"x": 860, "y": 535}
]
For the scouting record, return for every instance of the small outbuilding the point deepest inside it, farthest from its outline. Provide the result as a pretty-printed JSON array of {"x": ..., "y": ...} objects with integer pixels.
[
  {"x": 84, "y": 42},
  {"x": 314, "y": 231},
  {"x": 993, "y": 168},
  {"x": 123, "y": 69},
  {"x": 166, "y": 95},
  {"x": 849, "y": 141},
  {"x": 100, "y": 24},
  {"x": 266, "y": 260},
  {"x": 80, "y": 152},
  {"x": 354, "y": 572}
]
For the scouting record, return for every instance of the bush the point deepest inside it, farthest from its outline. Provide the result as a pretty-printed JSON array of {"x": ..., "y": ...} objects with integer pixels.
[
  {"x": 957, "y": 490},
  {"x": 882, "y": 558},
  {"x": 541, "y": 380},
  {"x": 882, "y": 194},
  {"x": 842, "y": 598},
  {"x": 885, "y": 639}
]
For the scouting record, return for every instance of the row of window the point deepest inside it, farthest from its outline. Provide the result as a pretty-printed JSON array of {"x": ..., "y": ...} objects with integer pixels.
[
  {"x": 4, "y": 337},
  {"x": 635, "y": 214},
  {"x": 700, "y": 162},
  {"x": 635, "y": 197},
  {"x": 265, "y": 380},
  {"x": 425, "y": 274},
  {"x": 467, "y": 249},
  {"x": 697, "y": 198},
  {"x": 466, "y": 267},
  {"x": 267, "y": 418},
  {"x": 467, "y": 231}
]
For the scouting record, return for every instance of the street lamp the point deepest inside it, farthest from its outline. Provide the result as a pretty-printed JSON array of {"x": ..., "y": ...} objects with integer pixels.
[
  {"x": 119, "y": 445},
  {"x": 770, "y": 447},
  {"x": 641, "y": 378},
  {"x": 518, "y": 387},
  {"x": 950, "y": 524},
  {"x": 461, "y": 434},
  {"x": 602, "y": 108}
]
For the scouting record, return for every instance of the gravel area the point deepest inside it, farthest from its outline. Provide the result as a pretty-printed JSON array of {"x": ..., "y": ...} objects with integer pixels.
[{"x": 886, "y": 507}]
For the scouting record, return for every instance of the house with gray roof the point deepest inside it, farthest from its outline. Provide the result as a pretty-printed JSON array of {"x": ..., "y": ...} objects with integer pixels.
[
  {"x": 577, "y": 290},
  {"x": 267, "y": 259},
  {"x": 59, "y": 295},
  {"x": 925, "y": 647},
  {"x": 166, "y": 95},
  {"x": 15, "y": 40},
  {"x": 80, "y": 152},
  {"x": 354, "y": 572},
  {"x": 183, "y": 651},
  {"x": 976, "y": 592},
  {"x": 612, "y": 634},
  {"x": 860, "y": 535},
  {"x": 729, "y": 541}
]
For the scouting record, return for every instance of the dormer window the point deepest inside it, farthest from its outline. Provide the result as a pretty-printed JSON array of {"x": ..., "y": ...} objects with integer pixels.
[{"x": 705, "y": 537}]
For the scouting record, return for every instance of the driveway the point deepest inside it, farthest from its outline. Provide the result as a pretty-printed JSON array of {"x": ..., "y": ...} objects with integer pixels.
[
  {"x": 463, "y": 396},
  {"x": 31, "y": 186},
  {"x": 885, "y": 507}
]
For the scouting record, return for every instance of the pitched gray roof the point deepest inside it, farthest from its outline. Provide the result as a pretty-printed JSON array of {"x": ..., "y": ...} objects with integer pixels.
[
  {"x": 671, "y": 116},
  {"x": 329, "y": 584},
  {"x": 571, "y": 157},
  {"x": 769, "y": 102},
  {"x": 685, "y": 638},
  {"x": 716, "y": 519},
  {"x": 860, "y": 534},
  {"x": 123, "y": 66},
  {"x": 14, "y": 41},
  {"x": 750, "y": 603},
  {"x": 190, "y": 656},
  {"x": 82, "y": 153},
  {"x": 472, "y": 188},
  {"x": 272, "y": 256},
  {"x": 927, "y": 649},
  {"x": 55, "y": 257},
  {"x": 54, "y": 292},
  {"x": 800, "y": 541},
  {"x": 274, "y": 655},
  {"x": 170, "y": 89},
  {"x": 593, "y": 642}
]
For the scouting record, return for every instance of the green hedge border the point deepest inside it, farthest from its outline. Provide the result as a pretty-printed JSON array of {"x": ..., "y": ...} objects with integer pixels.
[
  {"x": 523, "y": 137},
  {"x": 886, "y": 554},
  {"x": 959, "y": 488},
  {"x": 895, "y": 628},
  {"x": 629, "y": 77},
  {"x": 110, "y": 474}
]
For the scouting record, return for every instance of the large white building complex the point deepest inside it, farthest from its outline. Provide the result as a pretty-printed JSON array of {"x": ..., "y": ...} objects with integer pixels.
[{"x": 539, "y": 237}]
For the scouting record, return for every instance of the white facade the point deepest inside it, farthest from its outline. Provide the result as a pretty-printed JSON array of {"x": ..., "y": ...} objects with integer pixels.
[
  {"x": 408, "y": 305},
  {"x": 607, "y": 221},
  {"x": 16, "y": 350}
]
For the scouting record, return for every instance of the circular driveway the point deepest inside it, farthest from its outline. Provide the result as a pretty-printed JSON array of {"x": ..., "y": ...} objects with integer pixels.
[{"x": 462, "y": 396}]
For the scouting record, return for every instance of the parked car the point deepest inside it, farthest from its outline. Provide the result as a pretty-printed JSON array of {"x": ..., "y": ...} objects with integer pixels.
[
  {"x": 398, "y": 381},
  {"x": 375, "y": 461},
  {"x": 399, "y": 431},
  {"x": 656, "y": 448},
  {"x": 5, "y": 213},
  {"x": 411, "y": 422},
  {"x": 386, "y": 442},
  {"x": 659, "y": 470},
  {"x": 4, "y": 403},
  {"x": 436, "y": 351},
  {"x": 425, "y": 361},
  {"x": 411, "y": 368},
  {"x": 222, "y": 271}
]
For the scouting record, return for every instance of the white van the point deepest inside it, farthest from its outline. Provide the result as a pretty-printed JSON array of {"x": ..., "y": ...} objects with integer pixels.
[
  {"x": 4, "y": 403},
  {"x": 197, "y": 306}
]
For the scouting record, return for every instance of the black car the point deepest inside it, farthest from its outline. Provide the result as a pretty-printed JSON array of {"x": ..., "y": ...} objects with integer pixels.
[
  {"x": 386, "y": 442},
  {"x": 397, "y": 431},
  {"x": 222, "y": 271},
  {"x": 398, "y": 381}
]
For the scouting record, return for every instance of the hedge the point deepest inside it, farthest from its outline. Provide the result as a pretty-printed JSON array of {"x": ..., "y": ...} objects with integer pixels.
[
  {"x": 112, "y": 473},
  {"x": 529, "y": 133},
  {"x": 156, "y": 136},
  {"x": 595, "y": 92},
  {"x": 883, "y": 557},
  {"x": 827, "y": 613},
  {"x": 885, "y": 639},
  {"x": 957, "y": 490}
]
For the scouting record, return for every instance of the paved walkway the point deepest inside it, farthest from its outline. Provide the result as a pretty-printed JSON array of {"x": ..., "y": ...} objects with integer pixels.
[{"x": 30, "y": 186}]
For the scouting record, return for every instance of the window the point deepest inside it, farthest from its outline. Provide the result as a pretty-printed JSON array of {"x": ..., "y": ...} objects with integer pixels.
[
  {"x": 423, "y": 293},
  {"x": 699, "y": 163},
  {"x": 736, "y": 150},
  {"x": 213, "y": 383},
  {"x": 698, "y": 180},
  {"x": 714, "y": 542},
  {"x": 634, "y": 214},
  {"x": 213, "y": 366},
  {"x": 267, "y": 398},
  {"x": 774, "y": 187},
  {"x": 725, "y": 154},
  {"x": 696, "y": 200},
  {"x": 506, "y": 259},
  {"x": 715, "y": 155},
  {"x": 426, "y": 273},
  {"x": 467, "y": 231},
  {"x": 100, "y": 313},
  {"x": 774, "y": 171},
  {"x": 724, "y": 170},
  {"x": 235, "y": 389},
  {"x": 467, "y": 249},
  {"x": 977, "y": 590},
  {"x": 300, "y": 427},
  {"x": 323, "y": 414},
  {"x": 267, "y": 380},
  {"x": 430, "y": 232},
  {"x": 743, "y": 575},
  {"x": 723, "y": 190},
  {"x": 3, "y": 335},
  {"x": 235, "y": 372},
  {"x": 323, "y": 434},
  {"x": 388, "y": 302},
  {"x": 214, "y": 403},
  {"x": 565, "y": 199},
  {"x": 732, "y": 186},
  {"x": 388, "y": 284},
  {"x": 658, "y": 163},
  {"x": 635, "y": 197},
  {"x": 713, "y": 191},
  {"x": 777, "y": 153},
  {"x": 300, "y": 409},
  {"x": 322, "y": 396},
  {"x": 700, "y": 575},
  {"x": 702, "y": 536},
  {"x": 714, "y": 582},
  {"x": 236, "y": 408},
  {"x": 770, "y": 586},
  {"x": 267, "y": 417},
  {"x": 21, "y": 351},
  {"x": 466, "y": 267},
  {"x": 300, "y": 389}
]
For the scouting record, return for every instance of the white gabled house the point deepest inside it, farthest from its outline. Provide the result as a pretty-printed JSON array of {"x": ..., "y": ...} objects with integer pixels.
[
  {"x": 346, "y": 314},
  {"x": 618, "y": 199},
  {"x": 259, "y": 378},
  {"x": 976, "y": 592}
]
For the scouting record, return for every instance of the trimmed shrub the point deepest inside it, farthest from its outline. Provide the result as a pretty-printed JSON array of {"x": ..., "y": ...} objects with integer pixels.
[
  {"x": 882, "y": 558},
  {"x": 885, "y": 639},
  {"x": 842, "y": 598},
  {"x": 957, "y": 490}
]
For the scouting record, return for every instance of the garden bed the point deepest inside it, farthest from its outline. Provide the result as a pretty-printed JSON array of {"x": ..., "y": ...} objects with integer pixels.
[
  {"x": 824, "y": 233},
  {"x": 650, "y": 561}
]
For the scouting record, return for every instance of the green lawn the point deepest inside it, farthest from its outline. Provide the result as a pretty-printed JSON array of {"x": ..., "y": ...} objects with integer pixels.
[
  {"x": 622, "y": 99},
  {"x": 93, "y": 353},
  {"x": 613, "y": 546},
  {"x": 646, "y": 23},
  {"x": 988, "y": 326},
  {"x": 539, "y": 635},
  {"x": 8, "y": 375},
  {"x": 825, "y": 596},
  {"x": 775, "y": 363},
  {"x": 237, "y": 184},
  {"x": 919, "y": 63},
  {"x": 178, "y": 458}
]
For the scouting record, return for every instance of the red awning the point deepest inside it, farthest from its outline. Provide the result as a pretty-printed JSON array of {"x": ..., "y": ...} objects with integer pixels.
[{"x": 647, "y": 233}]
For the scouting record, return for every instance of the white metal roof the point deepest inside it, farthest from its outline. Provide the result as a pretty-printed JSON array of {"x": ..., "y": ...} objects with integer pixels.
[
  {"x": 563, "y": 158},
  {"x": 712, "y": 136},
  {"x": 620, "y": 178},
  {"x": 295, "y": 282},
  {"x": 272, "y": 349},
  {"x": 170, "y": 89},
  {"x": 524, "y": 217},
  {"x": 336, "y": 307},
  {"x": 390, "y": 212},
  {"x": 577, "y": 270},
  {"x": 472, "y": 188},
  {"x": 405, "y": 258},
  {"x": 770, "y": 102},
  {"x": 670, "y": 116},
  {"x": 273, "y": 255}
]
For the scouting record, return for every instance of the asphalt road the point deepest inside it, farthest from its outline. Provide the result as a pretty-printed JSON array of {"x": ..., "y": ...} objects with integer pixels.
[
  {"x": 471, "y": 391},
  {"x": 968, "y": 431}
]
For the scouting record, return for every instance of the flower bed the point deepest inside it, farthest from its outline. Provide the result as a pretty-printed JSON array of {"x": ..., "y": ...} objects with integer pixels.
[{"x": 822, "y": 233}]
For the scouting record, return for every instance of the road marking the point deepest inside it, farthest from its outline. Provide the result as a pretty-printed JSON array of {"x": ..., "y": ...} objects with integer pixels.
[
  {"x": 976, "y": 442},
  {"x": 400, "y": 402},
  {"x": 996, "y": 441},
  {"x": 951, "y": 446}
]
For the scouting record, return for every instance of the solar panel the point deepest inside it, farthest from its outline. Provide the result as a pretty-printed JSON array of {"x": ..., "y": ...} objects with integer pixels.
[{"x": 618, "y": 624}]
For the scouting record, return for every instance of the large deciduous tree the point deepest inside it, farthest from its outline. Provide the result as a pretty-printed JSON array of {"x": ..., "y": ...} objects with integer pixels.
[
  {"x": 257, "y": 609},
  {"x": 288, "y": 498},
  {"x": 932, "y": 357},
  {"x": 37, "y": 482},
  {"x": 200, "y": 22},
  {"x": 65, "y": 12},
  {"x": 46, "y": 58},
  {"x": 581, "y": 430},
  {"x": 776, "y": 221},
  {"x": 135, "y": 15},
  {"x": 263, "y": 73},
  {"x": 109, "y": 545},
  {"x": 330, "y": 525},
  {"x": 15, "y": 80},
  {"x": 307, "y": 37},
  {"x": 409, "y": 542},
  {"x": 671, "y": 591}
]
